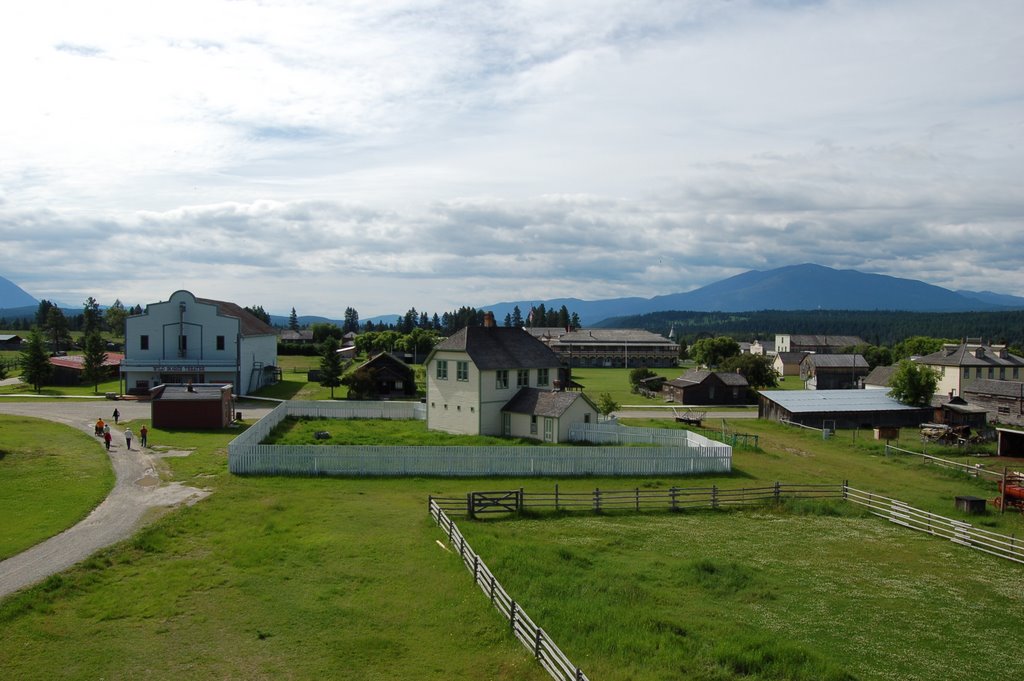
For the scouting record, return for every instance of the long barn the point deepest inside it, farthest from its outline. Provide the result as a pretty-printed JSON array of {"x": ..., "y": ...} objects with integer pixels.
[{"x": 843, "y": 408}]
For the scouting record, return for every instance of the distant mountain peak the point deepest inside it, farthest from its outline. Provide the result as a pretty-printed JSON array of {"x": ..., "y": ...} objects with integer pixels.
[{"x": 12, "y": 295}]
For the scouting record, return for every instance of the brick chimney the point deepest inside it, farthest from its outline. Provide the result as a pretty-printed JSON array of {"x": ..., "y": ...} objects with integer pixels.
[{"x": 488, "y": 320}]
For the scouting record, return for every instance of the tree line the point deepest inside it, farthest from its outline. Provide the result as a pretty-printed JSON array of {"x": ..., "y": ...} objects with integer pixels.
[{"x": 876, "y": 327}]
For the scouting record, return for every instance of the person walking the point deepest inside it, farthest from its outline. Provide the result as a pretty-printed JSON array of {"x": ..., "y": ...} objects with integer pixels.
[
  {"x": 117, "y": 415},
  {"x": 106, "y": 429},
  {"x": 143, "y": 432},
  {"x": 128, "y": 437},
  {"x": 106, "y": 438}
]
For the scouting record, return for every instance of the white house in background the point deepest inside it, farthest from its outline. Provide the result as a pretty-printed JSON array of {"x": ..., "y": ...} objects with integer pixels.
[
  {"x": 476, "y": 376},
  {"x": 187, "y": 339},
  {"x": 960, "y": 365}
]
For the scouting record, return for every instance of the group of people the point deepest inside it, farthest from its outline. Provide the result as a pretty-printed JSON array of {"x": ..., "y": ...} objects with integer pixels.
[{"x": 103, "y": 431}]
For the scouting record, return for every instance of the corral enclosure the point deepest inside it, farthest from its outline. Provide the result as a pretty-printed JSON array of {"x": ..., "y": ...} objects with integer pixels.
[{"x": 652, "y": 451}]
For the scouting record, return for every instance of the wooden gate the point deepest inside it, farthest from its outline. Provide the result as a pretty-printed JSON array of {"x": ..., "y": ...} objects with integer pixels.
[{"x": 510, "y": 501}]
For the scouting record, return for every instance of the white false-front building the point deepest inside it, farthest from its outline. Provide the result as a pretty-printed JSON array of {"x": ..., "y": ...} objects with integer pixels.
[{"x": 195, "y": 340}]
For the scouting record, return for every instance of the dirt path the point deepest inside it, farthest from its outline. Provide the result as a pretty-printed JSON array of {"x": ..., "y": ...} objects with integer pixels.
[{"x": 138, "y": 490}]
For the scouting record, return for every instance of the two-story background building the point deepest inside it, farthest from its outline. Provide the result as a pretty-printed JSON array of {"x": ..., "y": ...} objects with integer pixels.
[
  {"x": 960, "y": 365},
  {"x": 629, "y": 348},
  {"x": 194, "y": 340}
]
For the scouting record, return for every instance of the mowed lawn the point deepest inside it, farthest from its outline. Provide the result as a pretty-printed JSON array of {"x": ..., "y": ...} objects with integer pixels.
[
  {"x": 348, "y": 578},
  {"x": 50, "y": 478}
]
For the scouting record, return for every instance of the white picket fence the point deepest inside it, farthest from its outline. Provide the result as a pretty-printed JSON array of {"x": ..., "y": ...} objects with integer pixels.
[{"x": 687, "y": 455}]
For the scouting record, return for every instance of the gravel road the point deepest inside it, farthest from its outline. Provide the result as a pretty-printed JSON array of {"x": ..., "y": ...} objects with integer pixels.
[{"x": 138, "y": 490}]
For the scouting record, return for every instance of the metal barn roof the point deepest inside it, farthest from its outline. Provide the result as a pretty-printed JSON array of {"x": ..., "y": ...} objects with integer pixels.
[{"x": 815, "y": 401}]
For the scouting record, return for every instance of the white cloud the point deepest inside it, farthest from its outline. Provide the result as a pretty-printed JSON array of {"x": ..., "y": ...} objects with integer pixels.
[{"x": 383, "y": 155}]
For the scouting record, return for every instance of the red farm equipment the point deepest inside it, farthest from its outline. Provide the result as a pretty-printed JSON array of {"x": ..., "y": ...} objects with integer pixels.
[{"x": 1011, "y": 492}]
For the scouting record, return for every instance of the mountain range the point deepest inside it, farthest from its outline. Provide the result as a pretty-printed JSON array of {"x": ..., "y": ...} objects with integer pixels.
[{"x": 795, "y": 287}]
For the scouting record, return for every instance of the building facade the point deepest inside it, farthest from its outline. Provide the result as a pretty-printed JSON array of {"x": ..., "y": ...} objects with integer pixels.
[
  {"x": 194, "y": 340},
  {"x": 960, "y": 365},
  {"x": 610, "y": 348},
  {"x": 474, "y": 373},
  {"x": 821, "y": 344}
]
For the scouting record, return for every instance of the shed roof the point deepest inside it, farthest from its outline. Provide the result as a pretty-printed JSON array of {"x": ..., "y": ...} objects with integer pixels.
[
  {"x": 836, "y": 361},
  {"x": 986, "y": 386},
  {"x": 196, "y": 392},
  {"x": 543, "y": 402},
  {"x": 880, "y": 376},
  {"x": 77, "y": 362},
  {"x": 698, "y": 376},
  {"x": 815, "y": 401}
]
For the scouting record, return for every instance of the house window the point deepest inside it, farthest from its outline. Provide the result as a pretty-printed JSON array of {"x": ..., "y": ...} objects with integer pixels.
[
  {"x": 501, "y": 379},
  {"x": 522, "y": 378},
  {"x": 220, "y": 342},
  {"x": 533, "y": 424},
  {"x": 967, "y": 372},
  {"x": 991, "y": 372},
  {"x": 542, "y": 376},
  {"x": 182, "y": 343},
  {"x": 442, "y": 370},
  {"x": 1002, "y": 373},
  {"x": 1016, "y": 373},
  {"x": 1004, "y": 410},
  {"x": 144, "y": 342},
  {"x": 977, "y": 372},
  {"x": 586, "y": 417},
  {"x": 462, "y": 371}
]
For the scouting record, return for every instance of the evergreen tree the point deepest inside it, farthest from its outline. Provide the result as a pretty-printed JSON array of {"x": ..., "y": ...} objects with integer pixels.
[
  {"x": 351, "y": 322},
  {"x": 293, "y": 321},
  {"x": 435, "y": 323},
  {"x": 574, "y": 321},
  {"x": 90, "y": 316},
  {"x": 563, "y": 317},
  {"x": 330, "y": 364},
  {"x": 258, "y": 312},
  {"x": 508, "y": 320},
  {"x": 35, "y": 362},
  {"x": 517, "y": 317},
  {"x": 93, "y": 358},
  {"x": 57, "y": 328},
  {"x": 43, "y": 313}
]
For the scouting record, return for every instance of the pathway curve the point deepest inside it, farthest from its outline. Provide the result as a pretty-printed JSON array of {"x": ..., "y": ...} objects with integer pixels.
[{"x": 137, "y": 490}]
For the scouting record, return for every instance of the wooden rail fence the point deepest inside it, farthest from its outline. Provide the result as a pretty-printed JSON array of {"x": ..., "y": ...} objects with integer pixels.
[
  {"x": 534, "y": 638},
  {"x": 976, "y": 471}
]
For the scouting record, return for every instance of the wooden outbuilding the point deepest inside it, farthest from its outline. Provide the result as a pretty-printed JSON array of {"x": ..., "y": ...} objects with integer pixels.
[{"x": 203, "y": 405}]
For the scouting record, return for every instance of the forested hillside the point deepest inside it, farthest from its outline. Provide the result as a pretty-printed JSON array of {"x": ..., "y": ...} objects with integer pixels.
[{"x": 877, "y": 328}]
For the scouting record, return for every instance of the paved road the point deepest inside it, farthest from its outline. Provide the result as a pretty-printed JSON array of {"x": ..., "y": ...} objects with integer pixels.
[{"x": 137, "y": 490}]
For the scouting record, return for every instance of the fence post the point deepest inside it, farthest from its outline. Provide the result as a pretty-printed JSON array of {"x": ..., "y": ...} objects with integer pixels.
[
  {"x": 476, "y": 565},
  {"x": 536, "y": 642},
  {"x": 492, "y": 588},
  {"x": 778, "y": 492},
  {"x": 636, "y": 497},
  {"x": 470, "y": 511},
  {"x": 714, "y": 496},
  {"x": 520, "y": 502},
  {"x": 556, "y": 497},
  {"x": 512, "y": 616},
  {"x": 597, "y": 500},
  {"x": 846, "y": 489},
  {"x": 672, "y": 499}
]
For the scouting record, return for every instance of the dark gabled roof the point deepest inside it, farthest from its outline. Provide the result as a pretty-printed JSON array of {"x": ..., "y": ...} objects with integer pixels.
[
  {"x": 791, "y": 357},
  {"x": 385, "y": 361},
  {"x": 985, "y": 386},
  {"x": 836, "y": 361},
  {"x": 248, "y": 323},
  {"x": 500, "y": 347},
  {"x": 966, "y": 354},
  {"x": 698, "y": 376},
  {"x": 539, "y": 402},
  {"x": 197, "y": 392},
  {"x": 880, "y": 376}
]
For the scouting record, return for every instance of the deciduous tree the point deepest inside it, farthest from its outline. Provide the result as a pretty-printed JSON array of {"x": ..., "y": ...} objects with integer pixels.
[
  {"x": 711, "y": 352},
  {"x": 913, "y": 384},
  {"x": 757, "y": 369}
]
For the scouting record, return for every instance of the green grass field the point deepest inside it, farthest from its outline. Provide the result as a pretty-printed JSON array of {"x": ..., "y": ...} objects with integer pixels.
[
  {"x": 312, "y": 578},
  {"x": 50, "y": 478}
]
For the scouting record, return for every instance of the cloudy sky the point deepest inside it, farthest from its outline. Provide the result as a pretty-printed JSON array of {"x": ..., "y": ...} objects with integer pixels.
[{"x": 388, "y": 154}]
